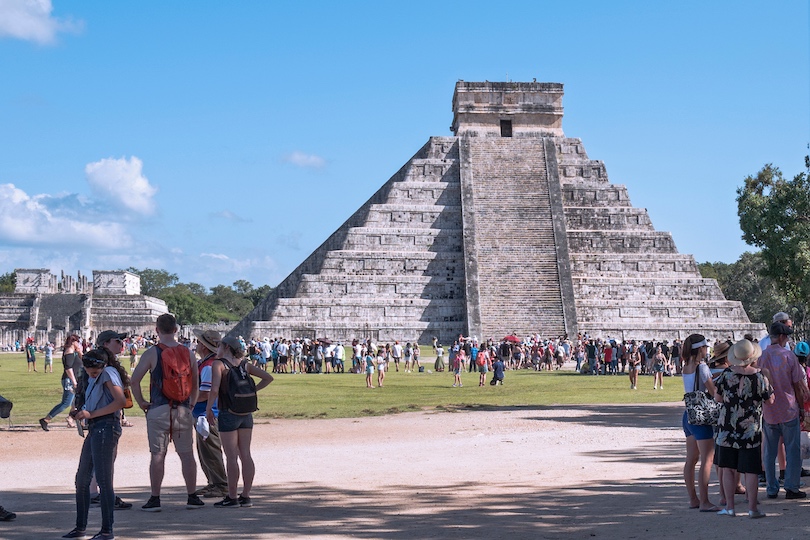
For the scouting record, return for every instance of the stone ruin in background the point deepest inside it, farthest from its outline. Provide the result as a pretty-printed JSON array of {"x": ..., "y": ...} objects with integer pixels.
[
  {"x": 49, "y": 308},
  {"x": 508, "y": 226}
]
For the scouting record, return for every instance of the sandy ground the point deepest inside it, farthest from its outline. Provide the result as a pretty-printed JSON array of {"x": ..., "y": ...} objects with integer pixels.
[{"x": 541, "y": 472}]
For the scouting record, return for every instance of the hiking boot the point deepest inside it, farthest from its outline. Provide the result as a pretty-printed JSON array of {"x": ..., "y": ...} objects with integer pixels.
[
  {"x": 244, "y": 501},
  {"x": 152, "y": 505},
  {"x": 194, "y": 502},
  {"x": 75, "y": 533},
  {"x": 227, "y": 502},
  {"x": 789, "y": 494},
  {"x": 121, "y": 505},
  {"x": 5, "y": 515}
]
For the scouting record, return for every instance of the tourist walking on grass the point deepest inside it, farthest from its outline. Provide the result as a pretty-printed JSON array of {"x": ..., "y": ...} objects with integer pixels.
[
  {"x": 71, "y": 368},
  {"x": 484, "y": 366},
  {"x": 235, "y": 425},
  {"x": 699, "y": 439},
  {"x": 382, "y": 363},
  {"x": 741, "y": 389},
  {"x": 633, "y": 367},
  {"x": 368, "y": 368},
  {"x": 104, "y": 399},
  {"x": 458, "y": 367},
  {"x": 31, "y": 354},
  {"x": 659, "y": 366}
]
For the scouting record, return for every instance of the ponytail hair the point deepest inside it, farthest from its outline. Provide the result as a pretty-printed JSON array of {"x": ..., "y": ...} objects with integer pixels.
[
  {"x": 113, "y": 362},
  {"x": 687, "y": 352}
]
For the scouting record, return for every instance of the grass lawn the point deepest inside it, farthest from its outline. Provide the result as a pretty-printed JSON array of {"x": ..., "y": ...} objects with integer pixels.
[{"x": 346, "y": 395}]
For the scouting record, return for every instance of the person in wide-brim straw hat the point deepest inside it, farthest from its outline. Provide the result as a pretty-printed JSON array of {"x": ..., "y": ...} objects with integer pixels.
[
  {"x": 741, "y": 389},
  {"x": 744, "y": 353},
  {"x": 209, "y": 444}
]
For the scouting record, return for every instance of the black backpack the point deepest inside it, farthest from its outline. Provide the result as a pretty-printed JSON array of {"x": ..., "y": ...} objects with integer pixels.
[{"x": 240, "y": 395}]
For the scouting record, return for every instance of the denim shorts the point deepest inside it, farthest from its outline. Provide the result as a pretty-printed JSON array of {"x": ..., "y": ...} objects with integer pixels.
[
  {"x": 231, "y": 422},
  {"x": 700, "y": 433}
]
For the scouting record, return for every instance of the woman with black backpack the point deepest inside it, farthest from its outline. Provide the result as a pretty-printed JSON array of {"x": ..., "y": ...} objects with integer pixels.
[{"x": 233, "y": 386}]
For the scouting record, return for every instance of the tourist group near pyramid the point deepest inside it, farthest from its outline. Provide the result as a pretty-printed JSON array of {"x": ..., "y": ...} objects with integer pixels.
[{"x": 505, "y": 227}]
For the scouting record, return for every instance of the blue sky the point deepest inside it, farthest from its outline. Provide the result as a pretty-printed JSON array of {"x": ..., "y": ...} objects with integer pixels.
[{"x": 227, "y": 140}]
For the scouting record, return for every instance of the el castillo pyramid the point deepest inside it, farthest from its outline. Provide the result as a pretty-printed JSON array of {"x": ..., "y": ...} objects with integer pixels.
[{"x": 505, "y": 227}]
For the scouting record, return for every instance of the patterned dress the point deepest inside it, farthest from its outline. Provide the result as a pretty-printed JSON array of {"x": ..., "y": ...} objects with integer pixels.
[{"x": 740, "y": 423}]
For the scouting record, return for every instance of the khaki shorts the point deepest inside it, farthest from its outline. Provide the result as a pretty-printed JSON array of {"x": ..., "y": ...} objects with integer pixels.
[{"x": 158, "y": 422}]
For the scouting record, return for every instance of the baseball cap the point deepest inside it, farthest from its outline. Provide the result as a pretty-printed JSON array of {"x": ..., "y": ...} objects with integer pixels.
[
  {"x": 780, "y": 329},
  {"x": 107, "y": 335}
]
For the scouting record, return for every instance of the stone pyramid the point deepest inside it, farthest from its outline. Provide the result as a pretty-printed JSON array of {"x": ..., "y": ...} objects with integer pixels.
[{"x": 505, "y": 227}]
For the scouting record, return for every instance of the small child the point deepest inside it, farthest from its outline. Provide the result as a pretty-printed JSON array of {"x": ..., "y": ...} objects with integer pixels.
[{"x": 380, "y": 367}]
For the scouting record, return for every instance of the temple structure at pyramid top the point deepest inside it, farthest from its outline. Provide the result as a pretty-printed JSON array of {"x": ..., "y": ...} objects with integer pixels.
[{"x": 506, "y": 227}]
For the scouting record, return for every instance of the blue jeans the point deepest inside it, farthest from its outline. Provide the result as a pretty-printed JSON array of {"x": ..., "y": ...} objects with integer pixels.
[
  {"x": 67, "y": 398},
  {"x": 791, "y": 433},
  {"x": 98, "y": 454}
]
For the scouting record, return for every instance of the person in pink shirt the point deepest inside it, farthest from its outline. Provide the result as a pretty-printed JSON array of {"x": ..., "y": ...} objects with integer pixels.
[{"x": 782, "y": 418}]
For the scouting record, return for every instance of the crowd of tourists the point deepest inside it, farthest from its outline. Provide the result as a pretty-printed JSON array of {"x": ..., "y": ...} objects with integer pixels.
[
  {"x": 760, "y": 388},
  {"x": 205, "y": 399}
]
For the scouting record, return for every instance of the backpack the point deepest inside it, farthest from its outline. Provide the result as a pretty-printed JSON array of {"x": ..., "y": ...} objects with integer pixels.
[
  {"x": 481, "y": 360},
  {"x": 176, "y": 365},
  {"x": 240, "y": 396}
]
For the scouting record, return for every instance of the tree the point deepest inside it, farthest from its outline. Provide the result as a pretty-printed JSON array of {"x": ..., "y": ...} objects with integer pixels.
[
  {"x": 234, "y": 303},
  {"x": 744, "y": 281},
  {"x": 775, "y": 216},
  {"x": 190, "y": 309},
  {"x": 8, "y": 282},
  {"x": 260, "y": 293},
  {"x": 154, "y": 282}
]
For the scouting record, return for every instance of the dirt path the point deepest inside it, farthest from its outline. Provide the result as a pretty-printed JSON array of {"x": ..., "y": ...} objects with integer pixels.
[{"x": 542, "y": 472}]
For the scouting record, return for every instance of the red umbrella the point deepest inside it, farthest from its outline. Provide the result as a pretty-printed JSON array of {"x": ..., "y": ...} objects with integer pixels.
[{"x": 513, "y": 339}]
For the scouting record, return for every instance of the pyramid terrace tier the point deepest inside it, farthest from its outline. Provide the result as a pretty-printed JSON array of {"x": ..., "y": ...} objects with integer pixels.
[
  {"x": 368, "y": 309},
  {"x": 664, "y": 289},
  {"x": 430, "y": 264},
  {"x": 345, "y": 331},
  {"x": 620, "y": 242},
  {"x": 607, "y": 219},
  {"x": 638, "y": 265},
  {"x": 403, "y": 239},
  {"x": 414, "y": 216},
  {"x": 382, "y": 287}
]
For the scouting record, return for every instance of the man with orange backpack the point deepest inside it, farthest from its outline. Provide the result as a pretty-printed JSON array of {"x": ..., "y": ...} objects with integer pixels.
[{"x": 174, "y": 384}]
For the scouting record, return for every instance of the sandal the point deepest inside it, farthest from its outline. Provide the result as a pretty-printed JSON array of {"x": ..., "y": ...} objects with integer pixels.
[
  {"x": 126, "y": 423},
  {"x": 70, "y": 422},
  {"x": 739, "y": 490}
]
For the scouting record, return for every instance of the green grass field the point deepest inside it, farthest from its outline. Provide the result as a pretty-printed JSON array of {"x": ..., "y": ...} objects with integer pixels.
[{"x": 345, "y": 395}]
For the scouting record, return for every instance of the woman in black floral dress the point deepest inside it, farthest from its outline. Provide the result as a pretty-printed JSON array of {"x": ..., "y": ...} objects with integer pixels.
[{"x": 741, "y": 389}]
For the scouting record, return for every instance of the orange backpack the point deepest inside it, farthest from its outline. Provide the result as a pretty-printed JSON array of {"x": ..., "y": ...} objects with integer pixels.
[{"x": 176, "y": 365}]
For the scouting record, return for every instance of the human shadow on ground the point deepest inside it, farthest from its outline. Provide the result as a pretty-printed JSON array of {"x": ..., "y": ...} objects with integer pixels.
[{"x": 645, "y": 508}]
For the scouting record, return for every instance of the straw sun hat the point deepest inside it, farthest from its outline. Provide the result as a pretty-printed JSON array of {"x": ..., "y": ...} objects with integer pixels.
[{"x": 744, "y": 353}]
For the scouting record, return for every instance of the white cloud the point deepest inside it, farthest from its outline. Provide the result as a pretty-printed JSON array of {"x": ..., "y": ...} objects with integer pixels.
[
  {"x": 219, "y": 256},
  {"x": 122, "y": 181},
  {"x": 25, "y": 220},
  {"x": 305, "y": 161},
  {"x": 31, "y": 20}
]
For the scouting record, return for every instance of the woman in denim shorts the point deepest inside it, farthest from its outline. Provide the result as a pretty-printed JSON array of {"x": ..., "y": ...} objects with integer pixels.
[{"x": 235, "y": 430}]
